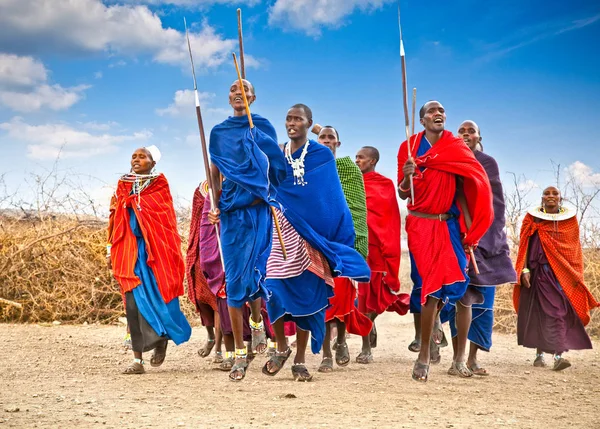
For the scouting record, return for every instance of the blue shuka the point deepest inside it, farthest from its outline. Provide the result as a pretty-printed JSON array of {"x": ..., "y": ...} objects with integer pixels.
[
  {"x": 319, "y": 213},
  {"x": 253, "y": 165}
]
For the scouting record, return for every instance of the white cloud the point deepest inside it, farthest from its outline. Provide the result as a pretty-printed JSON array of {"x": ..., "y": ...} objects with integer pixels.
[
  {"x": 24, "y": 86},
  {"x": 184, "y": 104},
  {"x": 21, "y": 71},
  {"x": 98, "y": 75},
  {"x": 190, "y": 3},
  {"x": 53, "y": 97},
  {"x": 82, "y": 26},
  {"x": 584, "y": 174},
  {"x": 98, "y": 126},
  {"x": 527, "y": 185},
  {"x": 310, "y": 16},
  {"x": 51, "y": 140}
]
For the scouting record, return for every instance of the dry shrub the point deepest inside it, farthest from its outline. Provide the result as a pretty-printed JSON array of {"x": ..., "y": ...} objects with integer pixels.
[{"x": 55, "y": 267}]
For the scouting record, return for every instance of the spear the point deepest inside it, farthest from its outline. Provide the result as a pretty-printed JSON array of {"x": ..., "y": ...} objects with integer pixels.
[
  {"x": 203, "y": 142},
  {"x": 405, "y": 100},
  {"x": 241, "y": 41},
  {"x": 275, "y": 219}
]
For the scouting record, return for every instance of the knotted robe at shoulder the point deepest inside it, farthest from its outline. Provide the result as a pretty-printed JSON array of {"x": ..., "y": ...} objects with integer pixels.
[
  {"x": 323, "y": 218},
  {"x": 253, "y": 166}
]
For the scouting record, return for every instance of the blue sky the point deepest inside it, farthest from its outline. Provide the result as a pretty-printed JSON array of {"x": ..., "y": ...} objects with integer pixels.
[{"x": 97, "y": 79}]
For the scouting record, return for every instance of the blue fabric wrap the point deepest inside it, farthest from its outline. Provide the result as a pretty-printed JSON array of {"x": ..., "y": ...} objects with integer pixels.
[
  {"x": 320, "y": 214},
  {"x": 253, "y": 165},
  {"x": 323, "y": 218},
  {"x": 166, "y": 319},
  {"x": 415, "y": 295},
  {"x": 482, "y": 324},
  {"x": 303, "y": 300}
]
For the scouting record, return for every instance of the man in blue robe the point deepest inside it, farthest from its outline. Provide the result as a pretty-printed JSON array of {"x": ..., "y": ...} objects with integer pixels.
[
  {"x": 319, "y": 235},
  {"x": 252, "y": 165}
]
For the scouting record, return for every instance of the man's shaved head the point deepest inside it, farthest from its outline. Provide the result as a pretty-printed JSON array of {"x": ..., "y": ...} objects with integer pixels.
[{"x": 372, "y": 152}]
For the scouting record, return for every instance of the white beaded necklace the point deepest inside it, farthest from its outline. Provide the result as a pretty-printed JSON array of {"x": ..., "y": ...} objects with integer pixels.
[{"x": 297, "y": 164}]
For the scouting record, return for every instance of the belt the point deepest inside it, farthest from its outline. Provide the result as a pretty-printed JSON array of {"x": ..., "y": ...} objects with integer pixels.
[
  {"x": 441, "y": 217},
  {"x": 256, "y": 201}
]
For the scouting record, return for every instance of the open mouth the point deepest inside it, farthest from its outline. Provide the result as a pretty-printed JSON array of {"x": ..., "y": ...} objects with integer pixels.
[
  {"x": 291, "y": 131},
  {"x": 438, "y": 121}
]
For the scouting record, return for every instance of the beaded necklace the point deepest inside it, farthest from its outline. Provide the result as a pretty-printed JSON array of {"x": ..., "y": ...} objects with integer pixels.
[{"x": 297, "y": 164}]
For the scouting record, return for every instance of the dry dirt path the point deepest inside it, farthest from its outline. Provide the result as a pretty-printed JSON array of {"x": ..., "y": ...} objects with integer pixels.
[{"x": 68, "y": 376}]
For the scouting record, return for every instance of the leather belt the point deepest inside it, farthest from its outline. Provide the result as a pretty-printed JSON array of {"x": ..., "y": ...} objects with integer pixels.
[
  {"x": 256, "y": 201},
  {"x": 441, "y": 217}
]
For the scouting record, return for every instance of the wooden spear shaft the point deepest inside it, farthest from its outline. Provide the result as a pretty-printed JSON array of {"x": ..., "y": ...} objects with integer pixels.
[
  {"x": 405, "y": 101},
  {"x": 275, "y": 219},
  {"x": 241, "y": 42},
  {"x": 205, "y": 158}
]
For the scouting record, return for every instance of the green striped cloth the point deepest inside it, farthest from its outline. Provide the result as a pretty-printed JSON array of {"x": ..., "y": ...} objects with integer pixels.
[{"x": 354, "y": 191}]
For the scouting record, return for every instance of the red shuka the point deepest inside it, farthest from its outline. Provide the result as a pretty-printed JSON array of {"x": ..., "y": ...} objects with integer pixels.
[
  {"x": 560, "y": 241},
  {"x": 343, "y": 308},
  {"x": 383, "y": 221},
  {"x": 435, "y": 190},
  {"x": 156, "y": 217}
]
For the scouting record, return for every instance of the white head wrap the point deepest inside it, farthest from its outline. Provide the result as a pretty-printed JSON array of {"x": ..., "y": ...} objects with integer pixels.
[{"x": 154, "y": 152}]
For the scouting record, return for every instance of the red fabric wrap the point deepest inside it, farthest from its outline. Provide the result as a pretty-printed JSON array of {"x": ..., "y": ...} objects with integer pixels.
[
  {"x": 560, "y": 241},
  {"x": 383, "y": 221},
  {"x": 343, "y": 308},
  {"x": 435, "y": 190},
  {"x": 156, "y": 217},
  {"x": 198, "y": 290}
]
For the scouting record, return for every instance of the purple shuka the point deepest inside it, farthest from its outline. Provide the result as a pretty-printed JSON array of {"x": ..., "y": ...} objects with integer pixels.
[
  {"x": 209, "y": 251},
  {"x": 492, "y": 253}
]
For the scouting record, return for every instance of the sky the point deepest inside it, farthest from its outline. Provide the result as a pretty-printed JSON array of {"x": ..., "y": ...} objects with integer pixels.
[{"x": 86, "y": 82}]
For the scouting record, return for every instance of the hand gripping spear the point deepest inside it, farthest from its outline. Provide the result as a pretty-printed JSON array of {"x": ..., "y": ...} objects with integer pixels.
[
  {"x": 275, "y": 220},
  {"x": 203, "y": 141},
  {"x": 405, "y": 100}
]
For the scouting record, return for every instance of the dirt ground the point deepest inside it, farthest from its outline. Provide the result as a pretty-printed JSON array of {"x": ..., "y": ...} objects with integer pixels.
[{"x": 69, "y": 376}]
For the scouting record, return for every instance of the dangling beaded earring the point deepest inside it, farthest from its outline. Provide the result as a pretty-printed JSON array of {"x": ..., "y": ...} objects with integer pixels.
[{"x": 543, "y": 206}]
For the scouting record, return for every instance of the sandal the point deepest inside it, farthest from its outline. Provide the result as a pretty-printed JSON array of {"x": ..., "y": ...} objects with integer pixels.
[
  {"x": 478, "y": 370},
  {"x": 326, "y": 365},
  {"x": 420, "y": 371},
  {"x": 218, "y": 357},
  {"x": 438, "y": 336},
  {"x": 228, "y": 362},
  {"x": 415, "y": 346},
  {"x": 461, "y": 370},
  {"x": 560, "y": 363},
  {"x": 240, "y": 365},
  {"x": 259, "y": 336},
  {"x": 300, "y": 372},
  {"x": 276, "y": 361},
  {"x": 364, "y": 357},
  {"x": 206, "y": 348},
  {"x": 135, "y": 367},
  {"x": 342, "y": 355},
  {"x": 452, "y": 371},
  {"x": 159, "y": 355},
  {"x": 539, "y": 361}
]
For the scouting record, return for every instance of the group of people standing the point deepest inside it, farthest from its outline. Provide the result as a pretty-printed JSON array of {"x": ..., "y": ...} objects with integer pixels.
[{"x": 299, "y": 241}]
